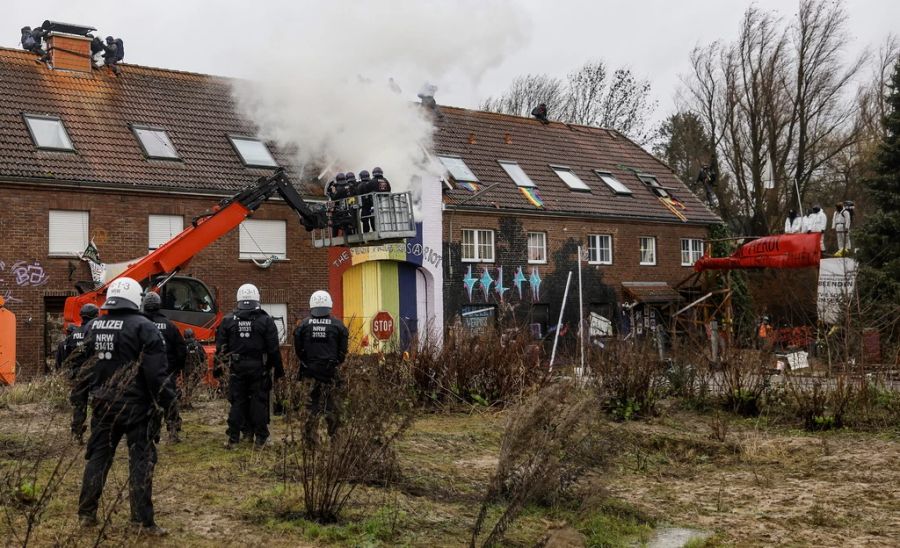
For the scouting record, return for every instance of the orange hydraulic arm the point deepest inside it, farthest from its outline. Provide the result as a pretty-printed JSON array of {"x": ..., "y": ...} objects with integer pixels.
[{"x": 175, "y": 254}]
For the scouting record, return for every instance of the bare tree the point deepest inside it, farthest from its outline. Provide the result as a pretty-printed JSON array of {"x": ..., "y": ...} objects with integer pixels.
[{"x": 590, "y": 96}]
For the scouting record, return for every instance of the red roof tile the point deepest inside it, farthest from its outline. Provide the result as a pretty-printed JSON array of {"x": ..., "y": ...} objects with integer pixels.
[{"x": 481, "y": 139}]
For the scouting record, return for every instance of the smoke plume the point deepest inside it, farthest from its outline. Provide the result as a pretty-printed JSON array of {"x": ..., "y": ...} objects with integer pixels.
[{"x": 327, "y": 89}]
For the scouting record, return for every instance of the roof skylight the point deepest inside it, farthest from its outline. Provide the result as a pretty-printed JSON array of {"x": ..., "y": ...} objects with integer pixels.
[
  {"x": 517, "y": 174},
  {"x": 654, "y": 185},
  {"x": 458, "y": 169},
  {"x": 48, "y": 132},
  {"x": 570, "y": 178},
  {"x": 155, "y": 142},
  {"x": 253, "y": 152},
  {"x": 612, "y": 182}
]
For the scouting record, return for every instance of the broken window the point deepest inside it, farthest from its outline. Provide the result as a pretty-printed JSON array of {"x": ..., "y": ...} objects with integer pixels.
[
  {"x": 68, "y": 232},
  {"x": 570, "y": 178},
  {"x": 477, "y": 246},
  {"x": 654, "y": 185},
  {"x": 612, "y": 182},
  {"x": 517, "y": 174},
  {"x": 155, "y": 143},
  {"x": 537, "y": 247},
  {"x": 279, "y": 313},
  {"x": 162, "y": 228},
  {"x": 48, "y": 132},
  {"x": 648, "y": 250},
  {"x": 458, "y": 169},
  {"x": 691, "y": 251},
  {"x": 253, "y": 152},
  {"x": 263, "y": 239},
  {"x": 600, "y": 249}
]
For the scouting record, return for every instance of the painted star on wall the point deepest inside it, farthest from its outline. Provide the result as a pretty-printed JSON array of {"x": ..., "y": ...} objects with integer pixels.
[
  {"x": 486, "y": 282},
  {"x": 499, "y": 288},
  {"x": 469, "y": 282},
  {"x": 535, "y": 281},
  {"x": 518, "y": 280}
]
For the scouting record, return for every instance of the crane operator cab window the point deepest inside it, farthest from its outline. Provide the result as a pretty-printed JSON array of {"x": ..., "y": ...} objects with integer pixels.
[{"x": 187, "y": 300}]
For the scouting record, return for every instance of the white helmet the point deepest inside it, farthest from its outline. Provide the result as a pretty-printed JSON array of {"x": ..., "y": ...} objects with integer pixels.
[
  {"x": 320, "y": 303},
  {"x": 123, "y": 293},
  {"x": 247, "y": 297}
]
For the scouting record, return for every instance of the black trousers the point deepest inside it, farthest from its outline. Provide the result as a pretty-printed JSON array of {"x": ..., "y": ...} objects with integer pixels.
[
  {"x": 79, "y": 416},
  {"x": 323, "y": 401},
  {"x": 106, "y": 432},
  {"x": 173, "y": 416},
  {"x": 248, "y": 392}
]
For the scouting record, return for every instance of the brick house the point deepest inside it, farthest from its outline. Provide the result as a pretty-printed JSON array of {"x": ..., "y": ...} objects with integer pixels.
[
  {"x": 522, "y": 195},
  {"x": 128, "y": 162}
]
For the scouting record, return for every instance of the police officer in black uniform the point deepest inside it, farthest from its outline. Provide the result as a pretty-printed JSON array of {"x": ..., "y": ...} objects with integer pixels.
[
  {"x": 126, "y": 382},
  {"x": 247, "y": 339},
  {"x": 74, "y": 356},
  {"x": 176, "y": 353},
  {"x": 195, "y": 366},
  {"x": 320, "y": 342}
]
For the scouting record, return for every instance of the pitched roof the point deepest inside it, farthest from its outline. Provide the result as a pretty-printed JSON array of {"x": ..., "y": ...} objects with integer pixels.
[
  {"x": 481, "y": 139},
  {"x": 196, "y": 110}
]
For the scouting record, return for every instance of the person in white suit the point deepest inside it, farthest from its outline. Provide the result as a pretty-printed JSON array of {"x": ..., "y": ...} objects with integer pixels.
[{"x": 794, "y": 223}]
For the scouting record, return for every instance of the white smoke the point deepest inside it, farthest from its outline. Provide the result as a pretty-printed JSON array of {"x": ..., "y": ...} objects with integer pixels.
[{"x": 327, "y": 89}]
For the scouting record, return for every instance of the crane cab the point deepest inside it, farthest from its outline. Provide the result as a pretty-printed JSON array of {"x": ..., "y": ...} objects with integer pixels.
[{"x": 367, "y": 219}]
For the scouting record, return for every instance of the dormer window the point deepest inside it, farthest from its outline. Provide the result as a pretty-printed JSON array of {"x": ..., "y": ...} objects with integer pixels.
[
  {"x": 253, "y": 152},
  {"x": 155, "y": 142},
  {"x": 48, "y": 133}
]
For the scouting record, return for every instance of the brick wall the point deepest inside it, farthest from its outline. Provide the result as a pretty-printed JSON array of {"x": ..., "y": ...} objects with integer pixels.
[
  {"x": 119, "y": 225},
  {"x": 601, "y": 283}
]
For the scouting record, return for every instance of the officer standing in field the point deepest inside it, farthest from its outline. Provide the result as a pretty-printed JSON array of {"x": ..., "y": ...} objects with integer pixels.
[
  {"x": 247, "y": 340},
  {"x": 126, "y": 382},
  {"x": 176, "y": 353},
  {"x": 321, "y": 346},
  {"x": 75, "y": 356}
]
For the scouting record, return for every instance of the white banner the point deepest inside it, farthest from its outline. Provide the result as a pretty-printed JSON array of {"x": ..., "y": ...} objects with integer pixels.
[{"x": 837, "y": 283}]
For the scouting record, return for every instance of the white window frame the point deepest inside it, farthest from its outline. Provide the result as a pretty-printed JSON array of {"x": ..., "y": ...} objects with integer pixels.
[
  {"x": 175, "y": 226},
  {"x": 262, "y": 239},
  {"x": 593, "y": 244},
  {"x": 517, "y": 174},
  {"x": 691, "y": 251},
  {"x": 642, "y": 248},
  {"x": 542, "y": 247},
  {"x": 68, "y": 232},
  {"x": 62, "y": 132},
  {"x": 137, "y": 128},
  {"x": 269, "y": 160},
  {"x": 464, "y": 174},
  {"x": 278, "y": 311},
  {"x": 573, "y": 181},
  {"x": 476, "y": 245},
  {"x": 613, "y": 183}
]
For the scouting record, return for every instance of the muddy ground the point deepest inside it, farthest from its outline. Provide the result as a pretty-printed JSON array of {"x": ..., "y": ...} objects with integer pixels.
[{"x": 756, "y": 485}]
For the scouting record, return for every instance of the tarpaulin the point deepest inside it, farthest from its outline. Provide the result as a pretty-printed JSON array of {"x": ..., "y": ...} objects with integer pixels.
[{"x": 782, "y": 251}]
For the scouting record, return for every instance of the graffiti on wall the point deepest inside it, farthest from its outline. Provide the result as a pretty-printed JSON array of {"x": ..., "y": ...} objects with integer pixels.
[
  {"x": 23, "y": 274},
  {"x": 486, "y": 281}
]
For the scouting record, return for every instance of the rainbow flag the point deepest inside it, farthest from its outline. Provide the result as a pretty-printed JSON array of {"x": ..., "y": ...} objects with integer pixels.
[
  {"x": 533, "y": 196},
  {"x": 471, "y": 187}
]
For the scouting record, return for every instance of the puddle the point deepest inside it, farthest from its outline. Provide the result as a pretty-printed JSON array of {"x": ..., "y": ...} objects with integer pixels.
[{"x": 674, "y": 537}]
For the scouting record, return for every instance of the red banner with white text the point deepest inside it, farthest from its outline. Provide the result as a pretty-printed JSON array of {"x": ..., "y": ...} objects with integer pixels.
[{"x": 782, "y": 251}]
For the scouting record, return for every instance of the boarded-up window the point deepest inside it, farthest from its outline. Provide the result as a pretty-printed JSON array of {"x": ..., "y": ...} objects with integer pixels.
[
  {"x": 68, "y": 232},
  {"x": 162, "y": 228},
  {"x": 261, "y": 239}
]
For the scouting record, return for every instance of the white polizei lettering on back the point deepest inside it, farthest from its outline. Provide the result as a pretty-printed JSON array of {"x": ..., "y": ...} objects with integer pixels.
[
  {"x": 161, "y": 326},
  {"x": 107, "y": 324}
]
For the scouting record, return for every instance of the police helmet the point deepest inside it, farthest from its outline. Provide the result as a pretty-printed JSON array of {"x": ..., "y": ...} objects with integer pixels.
[
  {"x": 89, "y": 312},
  {"x": 151, "y": 302},
  {"x": 109, "y": 40},
  {"x": 377, "y": 172},
  {"x": 364, "y": 175},
  {"x": 340, "y": 177},
  {"x": 247, "y": 297},
  {"x": 320, "y": 303},
  {"x": 188, "y": 333},
  {"x": 123, "y": 293}
]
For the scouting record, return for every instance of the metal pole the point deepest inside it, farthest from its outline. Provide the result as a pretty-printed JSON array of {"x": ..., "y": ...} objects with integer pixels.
[
  {"x": 580, "y": 313},
  {"x": 562, "y": 309}
]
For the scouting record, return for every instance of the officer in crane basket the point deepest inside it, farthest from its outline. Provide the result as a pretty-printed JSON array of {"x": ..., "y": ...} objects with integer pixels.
[
  {"x": 74, "y": 356},
  {"x": 128, "y": 380},
  {"x": 247, "y": 340},
  {"x": 320, "y": 342},
  {"x": 176, "y": 353}
]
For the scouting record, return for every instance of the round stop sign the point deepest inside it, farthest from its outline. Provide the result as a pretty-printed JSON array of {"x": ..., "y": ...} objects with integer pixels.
[{"x": 383, "y": 326}]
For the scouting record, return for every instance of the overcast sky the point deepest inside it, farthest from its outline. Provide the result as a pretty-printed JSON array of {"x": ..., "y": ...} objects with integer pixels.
[{"x": 652, "y": 37}]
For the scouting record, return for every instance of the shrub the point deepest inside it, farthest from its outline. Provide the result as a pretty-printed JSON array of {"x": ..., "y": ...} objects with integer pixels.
[
  {"x": 822, "y": 402},
  {"x": 629, "y": 379},
  {"x": 744, "y": 381}
]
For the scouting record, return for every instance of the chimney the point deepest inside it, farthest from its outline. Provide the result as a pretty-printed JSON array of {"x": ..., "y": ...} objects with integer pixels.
[{"x": 69, "y": 52}]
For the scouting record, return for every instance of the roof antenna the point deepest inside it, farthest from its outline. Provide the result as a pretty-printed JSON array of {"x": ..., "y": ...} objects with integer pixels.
[{"x": 540, "y": 112}]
